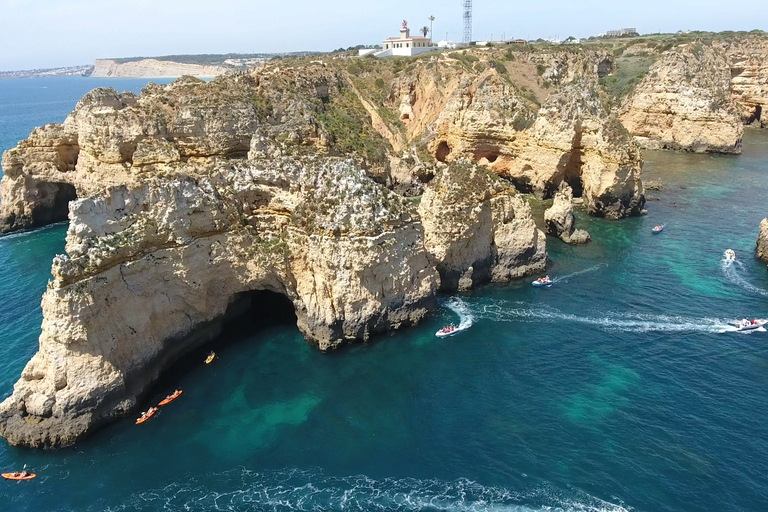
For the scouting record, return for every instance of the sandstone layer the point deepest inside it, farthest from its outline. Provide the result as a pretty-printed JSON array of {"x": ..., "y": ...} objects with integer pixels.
[
  {"x": 560, "y": 221},
  {"x": 685, "y": 103},
  {"x": 153, "y": 68}
]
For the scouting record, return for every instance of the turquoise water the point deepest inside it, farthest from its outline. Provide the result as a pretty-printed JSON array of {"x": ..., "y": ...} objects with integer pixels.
[{"x": 619, "y": 388}]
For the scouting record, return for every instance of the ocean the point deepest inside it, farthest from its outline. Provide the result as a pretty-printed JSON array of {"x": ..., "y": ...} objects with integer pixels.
[{"x": 622, "y": 387}]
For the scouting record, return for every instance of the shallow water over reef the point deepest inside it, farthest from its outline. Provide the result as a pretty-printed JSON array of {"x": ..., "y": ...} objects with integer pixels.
[{"x": 621, "y": 387}]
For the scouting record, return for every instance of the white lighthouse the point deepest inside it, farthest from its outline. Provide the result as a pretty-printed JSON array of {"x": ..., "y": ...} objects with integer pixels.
[{"x": 405, "y": 45}]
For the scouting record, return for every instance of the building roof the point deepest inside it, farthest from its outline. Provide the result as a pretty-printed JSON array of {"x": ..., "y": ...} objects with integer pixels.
[{"x": 404, "y": 39}]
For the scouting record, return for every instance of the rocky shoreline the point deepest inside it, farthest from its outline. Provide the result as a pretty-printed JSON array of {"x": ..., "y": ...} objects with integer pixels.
[{"x": 354, "y": 192}]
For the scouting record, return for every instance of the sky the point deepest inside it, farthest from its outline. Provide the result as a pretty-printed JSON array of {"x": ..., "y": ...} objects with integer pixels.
[{"x": 55, "y": 33}]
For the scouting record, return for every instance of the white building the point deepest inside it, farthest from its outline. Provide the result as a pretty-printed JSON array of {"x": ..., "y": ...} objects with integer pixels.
[{"x": 405, "y": 45}]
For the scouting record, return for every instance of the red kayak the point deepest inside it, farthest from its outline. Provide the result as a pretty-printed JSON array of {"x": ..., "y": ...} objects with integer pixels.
[
  {"x": 171, "y": 398},
  {"x": 17, "y": 476},
  {"x": 146, "y": 416}
]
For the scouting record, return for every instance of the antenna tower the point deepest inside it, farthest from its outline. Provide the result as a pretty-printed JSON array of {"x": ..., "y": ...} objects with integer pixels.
[{"x": 467, "y": 21}]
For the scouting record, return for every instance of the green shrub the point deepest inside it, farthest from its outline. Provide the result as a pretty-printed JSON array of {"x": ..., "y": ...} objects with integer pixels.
[{"x": 540, "y": 69}]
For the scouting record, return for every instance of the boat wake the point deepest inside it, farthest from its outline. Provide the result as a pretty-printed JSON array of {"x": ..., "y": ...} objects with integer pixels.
[
  {"x": 733, "y": 270},
  {"x": 461, "y": 309},
  {"x": 310, "y": 490},
  {"x": 564, "y": 279},
  {"x": 505, "y": 311}
]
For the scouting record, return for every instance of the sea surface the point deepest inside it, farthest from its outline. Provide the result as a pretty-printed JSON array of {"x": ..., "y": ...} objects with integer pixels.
[{"x": 622, "y": 387}]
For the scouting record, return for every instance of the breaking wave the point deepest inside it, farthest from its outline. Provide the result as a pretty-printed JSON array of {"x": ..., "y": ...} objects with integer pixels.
[{"x": 312, "y": 490}]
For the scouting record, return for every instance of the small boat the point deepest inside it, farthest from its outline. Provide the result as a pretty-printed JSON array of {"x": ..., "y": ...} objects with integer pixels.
[
  {"x": 146, "y": 415},
  {"x": 171, "y": 398},
  {"x": 18, "y": 476},
  {"x": 750, "y": 325},
  {"x": 448, "y": 330},
  {"x": 730, "y": 255},
  {"x": 210, "y": 358},
  {"x": 658, "y": 229},
  {"x": 543, "y": 281}
]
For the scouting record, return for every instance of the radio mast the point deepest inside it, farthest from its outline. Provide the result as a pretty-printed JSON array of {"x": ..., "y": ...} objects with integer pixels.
[{"x": 467, "y": 21}]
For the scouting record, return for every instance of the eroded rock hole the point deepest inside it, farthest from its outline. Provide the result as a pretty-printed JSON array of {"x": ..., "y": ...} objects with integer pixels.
[
  {"x": 52, "y": 202},
  {"x": 443, "y": 150},
  {"x": 756, "y": 115},
  {"x": 486, "y": 156},
  {"x": 574, "y": 165}
]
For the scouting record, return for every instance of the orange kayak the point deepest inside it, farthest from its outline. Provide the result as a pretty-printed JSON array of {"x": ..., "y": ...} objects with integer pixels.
[
  {"x": 170, "y": 398},
  {"x": 151, "y": 413},
  {"x": 17, "y": 476}
]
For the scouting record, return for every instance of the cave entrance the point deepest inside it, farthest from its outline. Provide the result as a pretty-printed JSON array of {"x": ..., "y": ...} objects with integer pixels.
[
  {"x": 756, "y": 115},
  {"x": 52, "y": 202},
  {"x": 443, "y": 150},
  {"x": 253, "y": 311},
  {"x": 574, "y": 164}
]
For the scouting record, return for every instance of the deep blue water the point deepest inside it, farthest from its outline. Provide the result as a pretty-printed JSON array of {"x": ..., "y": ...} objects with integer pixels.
[{"x": 619, "y": 388}]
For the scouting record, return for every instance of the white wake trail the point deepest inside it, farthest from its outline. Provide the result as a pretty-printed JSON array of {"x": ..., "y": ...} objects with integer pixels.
[
  {"x": 459, "y": 307},
  {"x": 617, "y": 322},
  {"x": 565, "y": 278},
  {"x": 733, "y": 270}
]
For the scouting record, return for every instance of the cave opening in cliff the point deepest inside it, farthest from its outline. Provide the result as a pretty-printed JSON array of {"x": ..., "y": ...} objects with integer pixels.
[
  {"x": 443, "y": 150},
  {"x": 573, "y": 166},
  {"x": 52, "y": 202},
  {"x": 253, "y": 311},
  {"x": 756, "y": 115}
]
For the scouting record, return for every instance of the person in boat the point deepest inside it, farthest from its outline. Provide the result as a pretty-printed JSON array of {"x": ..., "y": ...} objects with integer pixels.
[{"x": 23, "y": 473}]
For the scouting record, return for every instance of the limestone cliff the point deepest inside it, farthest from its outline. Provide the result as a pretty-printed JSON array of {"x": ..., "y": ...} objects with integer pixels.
[
  {"x": 685, "y": 103},
  {"x": 762, "y": 241},
  {"x": 151, "y": 271},
  {"x": 486, "y": 118},
  {"x": 153, "y": 68},
  {"x": 748, "y": 61},
  {"x": 478, "y": 229},
  {"x": 193, "y": 195}
]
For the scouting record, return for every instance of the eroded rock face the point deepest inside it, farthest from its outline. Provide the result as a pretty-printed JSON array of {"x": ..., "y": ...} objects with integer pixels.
[
  {"x": 560, "y": 221},
  {"x": 571, "y": 138},
  {"x": 477, "y": 228},
  {"x": 685, "y": 103},
  {"x": 152, "y": 271},
  {"x": 748, "y": 60},
  {"x": 762, "y": 241}
]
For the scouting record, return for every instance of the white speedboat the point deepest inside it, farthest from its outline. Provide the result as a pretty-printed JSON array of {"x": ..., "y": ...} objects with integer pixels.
[
  {"x": 448, "y": 330},
  {"x": 543, "y": 281},
  {"x": 750, "y": 325},
  {"x": 730, "y": 255}
]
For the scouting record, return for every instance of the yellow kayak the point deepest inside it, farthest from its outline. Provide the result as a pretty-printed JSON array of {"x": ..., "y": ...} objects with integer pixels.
[{"x": 210, "y": 358}]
